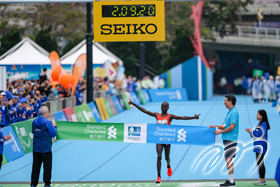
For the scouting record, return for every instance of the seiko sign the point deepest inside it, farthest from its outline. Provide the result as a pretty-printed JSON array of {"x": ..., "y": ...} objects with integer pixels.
[{"x": 129, "y": 21}]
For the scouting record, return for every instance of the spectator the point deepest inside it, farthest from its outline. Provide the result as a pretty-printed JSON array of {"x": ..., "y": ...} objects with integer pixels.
[
  {"x": 161, "y": 83},
  {"x": 24, "y": 113},
  {"x": 43, "y": 131},
  {"x": 244, "y": 85},
  {"x": 20, "y": 94},
  {"x": 3, "y": 111},
  {"x": 15, "y": 109},
  {"x": 43, "y": 76},
  {"x": 79, "y": 95}
]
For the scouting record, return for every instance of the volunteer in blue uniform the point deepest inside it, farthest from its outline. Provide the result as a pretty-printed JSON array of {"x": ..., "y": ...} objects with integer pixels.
[
  {"x": 43, "y": 131},
  {"x": 229, "y": 131},
  {"x": 165, "y": 119},
  {"x": 3, "y": 110},
  {"x": 259, "y": 134}
]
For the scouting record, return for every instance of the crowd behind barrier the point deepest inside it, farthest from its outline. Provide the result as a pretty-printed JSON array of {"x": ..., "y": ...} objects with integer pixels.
[{"x": 64, "y": 109}]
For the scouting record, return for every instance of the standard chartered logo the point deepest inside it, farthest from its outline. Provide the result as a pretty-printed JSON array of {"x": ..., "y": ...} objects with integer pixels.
[
  {"x": 181, "y": 135},
  {"x": 112, "y": 132}
]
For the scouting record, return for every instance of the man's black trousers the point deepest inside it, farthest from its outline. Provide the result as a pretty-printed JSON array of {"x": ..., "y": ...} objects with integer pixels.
[{"x": 38, "y": 158}]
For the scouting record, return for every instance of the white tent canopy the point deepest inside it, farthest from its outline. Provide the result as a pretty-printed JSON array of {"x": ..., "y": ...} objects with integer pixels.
[
  {"x": 100, "y": 54},
  {"x": 26, "y": 52}
]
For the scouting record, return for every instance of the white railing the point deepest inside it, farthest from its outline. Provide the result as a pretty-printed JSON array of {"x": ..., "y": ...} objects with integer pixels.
[
  {"x": 258, "y": 32},
  {"x": 252, "y": 32},
  {"x": 266, "y": 2}
]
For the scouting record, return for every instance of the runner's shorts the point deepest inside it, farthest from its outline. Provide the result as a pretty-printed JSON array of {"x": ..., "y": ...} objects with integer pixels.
[{"x": 229, "y": 148}]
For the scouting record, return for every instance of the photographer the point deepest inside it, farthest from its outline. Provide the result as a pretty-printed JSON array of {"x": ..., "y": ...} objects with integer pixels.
[{"x": 79, "y": 95}]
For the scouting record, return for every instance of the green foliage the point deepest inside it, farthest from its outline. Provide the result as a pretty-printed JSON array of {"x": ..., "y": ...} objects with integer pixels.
[
  {"x": 67, "y": 19},
  {"x": 129, "y": 52},
  {"x": 9, "y": 40},
  {"x": 70, "y": 45},
  {"x": 219, "y": 14},
  {"x": 45, "y": 40},
  {"x": 180, "y": 51}
]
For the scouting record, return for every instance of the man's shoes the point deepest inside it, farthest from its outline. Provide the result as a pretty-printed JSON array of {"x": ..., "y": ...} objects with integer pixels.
[
  {"x": 169, "y": 171},
  {"x": 158, "y": 180},
  {"x": 259, "y": 183},
  {"x": 228, "y": 184}
]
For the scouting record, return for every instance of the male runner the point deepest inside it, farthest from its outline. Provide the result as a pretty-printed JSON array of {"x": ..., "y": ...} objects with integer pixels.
[{"x": 165, "y": 119}]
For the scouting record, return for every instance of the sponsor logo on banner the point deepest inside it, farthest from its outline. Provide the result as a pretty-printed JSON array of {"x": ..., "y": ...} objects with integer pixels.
[
  {"x": 182, "y": 135},
  {"x": 112, "y": 132},
  {"x": 136, "y": 133}
]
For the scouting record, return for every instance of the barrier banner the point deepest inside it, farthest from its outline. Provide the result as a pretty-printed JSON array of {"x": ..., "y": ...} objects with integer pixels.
[
  {"x": 134, "y": 98},
  {"x": 125, "y": 101},
  {"x": 60, "y": 116},
  {"x": 12, "y": 147},
  {"x": 135, "y": 133},
  {"x": 168, "y": 94},
  {"x": 112, "y": 132},
  {"x": 108, "y": 108},
  {"x": 70, "y": 114},
  {"x": 95, "y": 112},
  {"x": 4, "y": 160},
  {"x": 146, "y": 95},
  {"x": 112, "y": 105},
  {"x": 100, "y": 108},
  {"x": 24, "y": 134},
  {"x": 105, "y": 112},
  {"x": 142, "y": 97},
  {"x": 83, "y": 113},
  {"x": 117, "y": 103},
  {"x": 121, "y": 102},
  {"x": 177, "y": 134}
]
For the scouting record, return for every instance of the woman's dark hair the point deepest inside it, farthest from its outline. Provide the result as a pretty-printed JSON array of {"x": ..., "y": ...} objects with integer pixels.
[{"x": 264, "y": 118}]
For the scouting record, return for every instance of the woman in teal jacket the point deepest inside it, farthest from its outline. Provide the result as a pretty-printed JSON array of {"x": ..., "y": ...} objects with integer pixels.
[{"x": 259, "y": 135}]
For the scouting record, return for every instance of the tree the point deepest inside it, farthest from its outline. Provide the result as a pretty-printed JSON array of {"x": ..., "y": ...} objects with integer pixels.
[
  {"x": 70, "y": 45},
  {"x": 9, "y": 40},
  {"x": 68, "y": 20},
  {"x": 180, "y": 51},
  {"x": 220, "y": 14},
  {"x": 45, "y": 40}
]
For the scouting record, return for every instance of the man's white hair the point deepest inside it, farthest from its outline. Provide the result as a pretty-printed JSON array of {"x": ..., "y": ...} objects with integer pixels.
[{"x": 43, "y": 110}]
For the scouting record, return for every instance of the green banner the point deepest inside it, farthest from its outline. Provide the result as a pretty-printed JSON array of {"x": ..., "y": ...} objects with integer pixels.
[
  {"x": 84, "y": 114},
  {"x": 125, "y": 100},
  {"x": 24, "y": 134},
  {"x": 142, "y": 98},
  {"x": 258, "y": 72},
  {"x": 108, "y": 108},
  {"x": 112, "y": 132},
  {"x": 4, "y": 160}
]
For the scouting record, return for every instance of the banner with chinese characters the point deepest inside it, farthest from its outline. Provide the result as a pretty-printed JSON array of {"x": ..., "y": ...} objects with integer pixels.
[
  {"x": 24, "y": 134},
  {"x": 177, "y": 134},
  {"x": 136, "y": 133},
  {"x": 112, "y": 132}
]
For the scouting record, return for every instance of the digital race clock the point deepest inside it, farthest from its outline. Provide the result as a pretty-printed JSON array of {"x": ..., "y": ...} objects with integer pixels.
[{"x": 129, "y": 10}]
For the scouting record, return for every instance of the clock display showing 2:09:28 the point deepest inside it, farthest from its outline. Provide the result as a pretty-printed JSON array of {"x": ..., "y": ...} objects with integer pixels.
[{"x": 128, "y": 10}]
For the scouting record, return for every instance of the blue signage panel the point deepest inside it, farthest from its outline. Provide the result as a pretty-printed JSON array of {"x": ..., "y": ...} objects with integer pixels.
[
  {"x": 177, "y": 134},
  {"x": 168, "y": 94},
  {"x": 95, "y": 112},
  {"x": 134, "y": 98},
  {"x": 117, "y": 103},
  {"x": 60, "y": 116},
  {"x": 12, "y": 147},
  {"x": 146, "y": 95},
  {"x": 31, "y": 71}
]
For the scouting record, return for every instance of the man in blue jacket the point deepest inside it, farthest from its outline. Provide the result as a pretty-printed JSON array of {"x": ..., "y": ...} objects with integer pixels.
[
  {"x": 3, "y": 110},
  {"x": 43, "y": 131}
]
